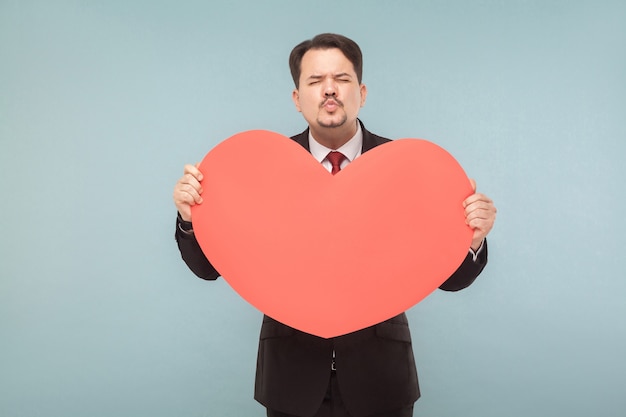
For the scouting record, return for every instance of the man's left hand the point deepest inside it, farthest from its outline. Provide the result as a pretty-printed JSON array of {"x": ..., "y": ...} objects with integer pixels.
[{"x": 480, "y": 214}]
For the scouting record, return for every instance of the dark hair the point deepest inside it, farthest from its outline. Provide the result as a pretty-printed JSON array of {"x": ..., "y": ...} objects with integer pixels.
[{"x": 326, "y": 41}]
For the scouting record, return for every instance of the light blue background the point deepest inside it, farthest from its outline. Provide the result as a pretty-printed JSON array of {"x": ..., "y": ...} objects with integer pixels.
[{"x": 102, "y": 103}]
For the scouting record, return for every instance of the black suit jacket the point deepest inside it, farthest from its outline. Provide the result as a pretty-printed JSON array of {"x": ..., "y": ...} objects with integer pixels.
[{"x": 375, "y": 367}]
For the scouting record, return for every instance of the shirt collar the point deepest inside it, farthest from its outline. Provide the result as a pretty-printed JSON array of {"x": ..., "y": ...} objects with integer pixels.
[{"x": 351, "y": 149}]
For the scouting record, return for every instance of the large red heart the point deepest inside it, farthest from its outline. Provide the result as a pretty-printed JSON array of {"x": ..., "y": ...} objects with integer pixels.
[{"x": 332, "y": 254}]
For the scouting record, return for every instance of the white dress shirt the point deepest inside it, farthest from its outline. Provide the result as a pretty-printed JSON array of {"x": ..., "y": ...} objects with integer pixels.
[{"x": 351, "y": 149}]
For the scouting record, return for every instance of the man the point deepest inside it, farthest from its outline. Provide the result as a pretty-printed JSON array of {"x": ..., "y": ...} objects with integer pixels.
[{"x": 370, "y": 372}]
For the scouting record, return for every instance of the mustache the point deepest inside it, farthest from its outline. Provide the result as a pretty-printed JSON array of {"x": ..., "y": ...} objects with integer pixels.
[{"x": 339, "y": 102}]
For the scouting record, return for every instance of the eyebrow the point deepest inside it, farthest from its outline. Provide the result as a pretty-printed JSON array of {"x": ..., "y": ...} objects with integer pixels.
[{"x": 319, "y": 77}]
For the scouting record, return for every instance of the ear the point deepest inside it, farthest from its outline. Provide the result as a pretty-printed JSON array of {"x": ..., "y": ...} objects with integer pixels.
[
  {"x": 363, "y": 94},
  {"x": 295, "y": 96}
]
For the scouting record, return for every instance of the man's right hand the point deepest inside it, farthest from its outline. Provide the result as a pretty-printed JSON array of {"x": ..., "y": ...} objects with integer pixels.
[{"x": 187, "y": 191}]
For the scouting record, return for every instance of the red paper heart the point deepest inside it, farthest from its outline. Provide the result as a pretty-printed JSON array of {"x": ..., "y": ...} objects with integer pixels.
[{"x": 332, "y": 254}]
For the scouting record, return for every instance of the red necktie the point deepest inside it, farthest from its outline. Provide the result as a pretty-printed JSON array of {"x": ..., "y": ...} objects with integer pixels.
[{"x": 335, "y": 158}]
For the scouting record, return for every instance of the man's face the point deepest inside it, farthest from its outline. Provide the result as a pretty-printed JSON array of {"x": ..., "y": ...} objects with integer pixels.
[{"x": 329, "y": 96}]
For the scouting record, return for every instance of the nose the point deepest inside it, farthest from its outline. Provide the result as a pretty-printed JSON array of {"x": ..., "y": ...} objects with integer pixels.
[{"x": 330, "y": 90}]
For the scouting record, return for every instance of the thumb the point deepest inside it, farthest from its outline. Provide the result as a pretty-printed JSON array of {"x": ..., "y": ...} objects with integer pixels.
[{"x": 473, "y": 183}]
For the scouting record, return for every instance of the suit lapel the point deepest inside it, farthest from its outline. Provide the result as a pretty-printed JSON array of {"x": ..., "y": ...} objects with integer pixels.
[
  {"x": 370, "y": 140},
  {"x": 303, "y": 139}
]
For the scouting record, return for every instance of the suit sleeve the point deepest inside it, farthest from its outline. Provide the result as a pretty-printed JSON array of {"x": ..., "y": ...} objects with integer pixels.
[
  {"x": 193, "y": 255},
  {"x": 465, "y": 275}
]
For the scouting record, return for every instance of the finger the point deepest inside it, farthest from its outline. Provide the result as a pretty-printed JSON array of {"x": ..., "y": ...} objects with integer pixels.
[
  {"x": 478, "y": 224},
  {"x": 188, "y": 193},
  {"x": 193, "y": 170},
  {"x": 481, "y": 220},
  {"x": 473, "y": 183},
  {"x": 480, "y": 205},
  {"x": 192, "y": 181},
  {"x": 476, "y": 197},
  {"x": 477, "y": 215}
]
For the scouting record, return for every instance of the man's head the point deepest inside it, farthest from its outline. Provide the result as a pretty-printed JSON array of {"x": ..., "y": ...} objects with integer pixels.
[
  {"x": 327, "y": 72},
  {"x": 347, "y": 46}
]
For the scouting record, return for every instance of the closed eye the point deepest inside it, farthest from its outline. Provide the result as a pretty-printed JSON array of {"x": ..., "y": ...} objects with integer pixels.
[{"x": 343, "y": 78}]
